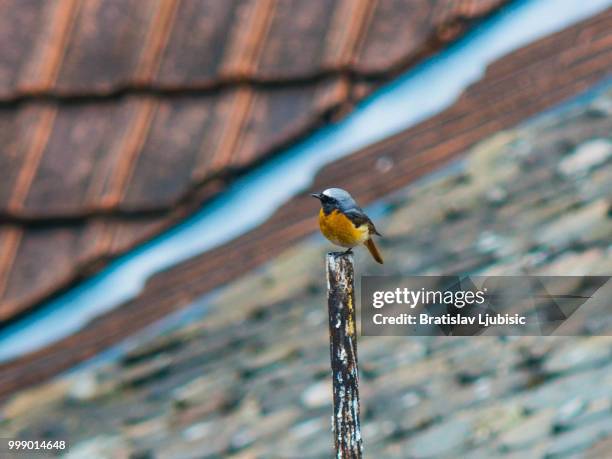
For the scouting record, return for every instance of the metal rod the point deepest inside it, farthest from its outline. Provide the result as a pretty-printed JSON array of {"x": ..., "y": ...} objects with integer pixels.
[{"x": 343, "y": 354}]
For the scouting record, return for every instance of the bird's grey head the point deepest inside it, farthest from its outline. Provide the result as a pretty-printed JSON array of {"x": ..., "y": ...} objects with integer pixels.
[{"x": 333, "y": 198}]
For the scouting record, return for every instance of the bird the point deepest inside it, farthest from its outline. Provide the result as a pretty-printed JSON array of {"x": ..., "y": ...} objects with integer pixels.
[{"x": 344, "y": 223}]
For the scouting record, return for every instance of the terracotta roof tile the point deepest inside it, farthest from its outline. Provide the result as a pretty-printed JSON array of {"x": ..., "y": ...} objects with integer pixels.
[
  {"x": 89, "y": 47},
  {"x": 106, "y": 45},
  {"x": 32, "y": 140},
  {"x": 77, "y": 158},
  {"x": 10, "y": 237},
  {"x": 549, "y": 75},
  {"x": 69, "y": 152},
  {"x": 197, "y": 43},
  {"x": 45, "y": 58},
  {"x": 65, "y": 181},
  {"x": 39, "y": 261},
  {"x": 392, "y": 36},
  {"x": 18, "y": 19},
  {"x": 117, "y": 120},
  {"x": 182, "y": 130},
  {"x": 38, "y": 250},
  {"x": 11, "y": 156},
  {"x": 289, "y": 112},
  {"x": 295, "y": 42},
  {"x": 398, "y": 32}
]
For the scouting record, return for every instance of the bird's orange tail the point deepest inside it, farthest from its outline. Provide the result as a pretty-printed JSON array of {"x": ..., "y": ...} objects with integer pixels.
[{"x": 373, "y": 250}]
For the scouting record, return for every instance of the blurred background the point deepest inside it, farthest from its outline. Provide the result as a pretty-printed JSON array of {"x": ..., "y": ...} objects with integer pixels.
[{"x": 162, "y": 285}]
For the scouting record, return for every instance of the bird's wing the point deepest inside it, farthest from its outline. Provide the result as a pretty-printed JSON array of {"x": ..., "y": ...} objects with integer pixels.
[{"x": 358, "y": 217}]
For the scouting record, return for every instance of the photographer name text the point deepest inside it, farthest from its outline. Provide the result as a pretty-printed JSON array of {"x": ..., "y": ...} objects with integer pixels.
[{"x": 422, "y": 297}]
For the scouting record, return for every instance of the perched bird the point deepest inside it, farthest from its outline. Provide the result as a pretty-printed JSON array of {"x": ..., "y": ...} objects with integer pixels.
[{"x": 344, "y": 223}]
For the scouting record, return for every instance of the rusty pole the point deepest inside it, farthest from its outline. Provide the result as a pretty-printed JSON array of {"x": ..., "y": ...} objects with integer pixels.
[{"x": 343, "y": 354}]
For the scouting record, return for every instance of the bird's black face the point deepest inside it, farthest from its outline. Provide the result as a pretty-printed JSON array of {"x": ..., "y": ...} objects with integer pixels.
[{"x": 327, "y": 202}]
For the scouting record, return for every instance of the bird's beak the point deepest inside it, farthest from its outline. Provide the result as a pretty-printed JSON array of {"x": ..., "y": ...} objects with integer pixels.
[{"x": 316, "y": 195}]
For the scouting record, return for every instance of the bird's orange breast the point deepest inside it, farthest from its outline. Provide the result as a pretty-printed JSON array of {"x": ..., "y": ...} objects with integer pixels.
[{"x": 336, "y": 227}]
